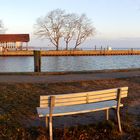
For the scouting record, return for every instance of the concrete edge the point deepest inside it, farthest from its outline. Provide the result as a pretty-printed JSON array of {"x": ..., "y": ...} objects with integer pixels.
[{"x": 69, "y": 72}]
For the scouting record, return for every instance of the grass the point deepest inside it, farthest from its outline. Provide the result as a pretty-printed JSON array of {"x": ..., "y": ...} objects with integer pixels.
[{"x": 18, "y": 104}]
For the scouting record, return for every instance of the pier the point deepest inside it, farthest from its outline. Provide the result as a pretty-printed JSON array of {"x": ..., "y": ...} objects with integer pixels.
[{"x": 71, "y": 52}]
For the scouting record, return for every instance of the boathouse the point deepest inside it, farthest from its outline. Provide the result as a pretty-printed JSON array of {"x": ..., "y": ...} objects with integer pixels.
[{"x": 13, "y": 41}]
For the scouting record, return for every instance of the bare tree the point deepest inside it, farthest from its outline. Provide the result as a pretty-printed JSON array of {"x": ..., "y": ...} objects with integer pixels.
[
  {"x": 57, "y": 25},
  {"x": 84, "y": 30},
  {"x": 2, "y": 29},
  {"x": 51, "y": 26},
  {"x": 69, "y": 29}
]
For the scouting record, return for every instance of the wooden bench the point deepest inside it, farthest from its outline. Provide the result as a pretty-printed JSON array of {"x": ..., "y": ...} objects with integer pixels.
[{"x": 75, "y": 103}]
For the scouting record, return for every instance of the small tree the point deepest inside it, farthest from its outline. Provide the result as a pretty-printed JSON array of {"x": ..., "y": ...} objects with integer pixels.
[
  {"x": 2, "y": 29},
  {"x": 84, "y": 30},
  {"x": 51, "y": 26},
  {"x": 69, "y": 28}
]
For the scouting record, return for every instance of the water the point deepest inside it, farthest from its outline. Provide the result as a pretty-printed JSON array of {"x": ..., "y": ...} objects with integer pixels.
[{"x": 69, "y": 63}]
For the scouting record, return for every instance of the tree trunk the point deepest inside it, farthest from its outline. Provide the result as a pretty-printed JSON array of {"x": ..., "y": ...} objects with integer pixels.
[
  {"x": 57, "y": 45},
  {"x": 56, "y": 48},
  {"x": 67, "y": 45},
  {"x": 75, "y": 46}
]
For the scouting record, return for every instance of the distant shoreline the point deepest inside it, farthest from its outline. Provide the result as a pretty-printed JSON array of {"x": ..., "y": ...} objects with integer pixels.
[{"x": 72, "y": 53}]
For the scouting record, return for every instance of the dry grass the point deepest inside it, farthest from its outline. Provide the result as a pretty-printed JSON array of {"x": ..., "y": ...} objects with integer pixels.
[{"x": 18, "y": 104}]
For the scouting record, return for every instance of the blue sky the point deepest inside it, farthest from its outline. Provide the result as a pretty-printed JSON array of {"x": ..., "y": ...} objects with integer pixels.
[{"x": 117, "y": 21}]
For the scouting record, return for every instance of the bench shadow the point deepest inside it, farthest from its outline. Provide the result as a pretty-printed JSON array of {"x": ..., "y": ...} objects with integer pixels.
[{"x": 74, "y": 120}]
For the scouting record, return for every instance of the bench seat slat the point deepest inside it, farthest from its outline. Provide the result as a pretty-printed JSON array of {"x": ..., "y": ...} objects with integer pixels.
[{"x": 77, "y": 109}]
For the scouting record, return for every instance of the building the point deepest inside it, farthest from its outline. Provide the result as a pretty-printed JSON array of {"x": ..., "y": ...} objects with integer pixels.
[{"x": 13, "y": 41}]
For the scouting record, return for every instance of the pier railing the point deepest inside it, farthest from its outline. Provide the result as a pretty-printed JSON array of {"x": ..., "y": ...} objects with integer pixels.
[{"x": 71, "y": 49}]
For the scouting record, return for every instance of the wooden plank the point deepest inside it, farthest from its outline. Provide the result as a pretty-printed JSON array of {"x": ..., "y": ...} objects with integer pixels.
[
  {"x": 70, "y": 103},
  {"x": 44, "y": 97},
  {"x": 99, "y": 92},
  {"x": 74, "y": 95},
  {"x": 44, "y": 101},
  {"x": 107, "y": 91},
  {"x": 44, "y": 105},
  {"x": 70, "y": 99},
  {"x": 123, "y": 88},
  {"x": 101, "y": 99},
  {"x": 106, "y": 94},
  {"x": 104, "y": 98},
  {"x": 65, "y": 102},
  {"x": 77, "y": 98}
]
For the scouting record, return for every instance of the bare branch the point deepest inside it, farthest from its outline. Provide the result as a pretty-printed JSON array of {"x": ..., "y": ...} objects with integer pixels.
[
  {"x": 69, "y": 29},
  {"x": 57, "y": 25},
  {"x": 50, "y": 27},
  {"x": 84, "y": 30}
]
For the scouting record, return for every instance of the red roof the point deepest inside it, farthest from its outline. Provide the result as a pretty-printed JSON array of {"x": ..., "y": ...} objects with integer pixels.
[{"x": 14, "y": 38}]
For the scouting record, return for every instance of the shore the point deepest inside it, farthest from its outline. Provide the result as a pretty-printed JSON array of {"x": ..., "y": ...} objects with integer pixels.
[
  {"x": 19, "y": 119},
  {"x": 62, "y": 77},
  {"x": 72, "y": 52}
]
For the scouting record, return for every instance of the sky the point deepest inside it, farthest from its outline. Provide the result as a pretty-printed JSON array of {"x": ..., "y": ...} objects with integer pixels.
[{"x": 117, "y": 22}]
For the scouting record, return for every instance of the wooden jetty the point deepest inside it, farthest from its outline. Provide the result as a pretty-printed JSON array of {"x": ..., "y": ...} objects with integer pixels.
[{"x": 72, "y": 52}]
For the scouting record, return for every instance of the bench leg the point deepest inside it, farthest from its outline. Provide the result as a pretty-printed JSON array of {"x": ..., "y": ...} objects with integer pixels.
[
  {"x": 107, "y": 114},
  {"x": 47, "y": 122},
  {"x": 50, "y": 128},
  {"x": 119, "y": 121}
]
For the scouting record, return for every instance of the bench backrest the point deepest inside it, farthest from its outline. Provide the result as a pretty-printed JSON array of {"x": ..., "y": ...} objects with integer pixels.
[{"x": 84, "y": 97}]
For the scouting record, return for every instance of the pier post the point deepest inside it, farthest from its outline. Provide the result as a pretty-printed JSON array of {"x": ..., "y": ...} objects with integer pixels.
[
  {"x": 37, "y": 61},
  {"x": 131, "y": 51},
  {"x": 95, "y": 47},
  {"x": 101, "y": 48}
]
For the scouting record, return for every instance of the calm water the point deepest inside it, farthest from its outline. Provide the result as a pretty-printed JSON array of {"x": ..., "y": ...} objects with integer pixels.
[{"x": 70, "y": 63}]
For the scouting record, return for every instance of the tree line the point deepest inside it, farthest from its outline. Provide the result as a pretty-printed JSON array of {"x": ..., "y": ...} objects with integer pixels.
[{"x": 58, "y": 26}]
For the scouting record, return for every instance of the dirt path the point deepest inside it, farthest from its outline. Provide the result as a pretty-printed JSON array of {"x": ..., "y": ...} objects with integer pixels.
[{"x": 14, "y": 78}]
